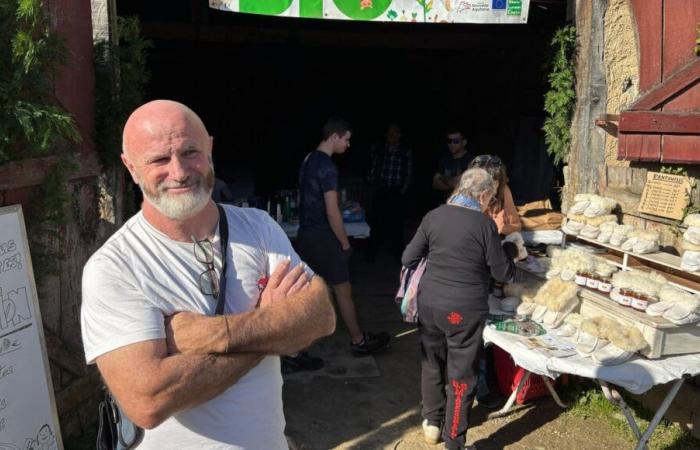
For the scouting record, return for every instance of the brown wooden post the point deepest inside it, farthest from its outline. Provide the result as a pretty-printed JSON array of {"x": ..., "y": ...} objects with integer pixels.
[{"x": 587, "y": 155}]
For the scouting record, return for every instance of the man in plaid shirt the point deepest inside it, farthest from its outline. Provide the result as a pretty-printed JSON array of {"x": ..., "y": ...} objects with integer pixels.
[{"x": 390, "y": 175}]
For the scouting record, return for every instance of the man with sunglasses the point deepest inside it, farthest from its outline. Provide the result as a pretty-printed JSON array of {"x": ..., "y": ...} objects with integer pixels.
[
  {"x": 452, "y": 164},
  {"x": 152, "y": 294}
]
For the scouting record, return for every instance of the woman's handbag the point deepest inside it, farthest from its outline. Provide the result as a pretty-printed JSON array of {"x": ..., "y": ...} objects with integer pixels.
[{"x": 407, "y": 295}]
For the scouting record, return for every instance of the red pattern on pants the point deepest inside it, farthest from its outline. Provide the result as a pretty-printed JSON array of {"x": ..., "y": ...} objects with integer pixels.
[
  {"x": 459, "y": 390},
  {"x": 449, "y": 368}
]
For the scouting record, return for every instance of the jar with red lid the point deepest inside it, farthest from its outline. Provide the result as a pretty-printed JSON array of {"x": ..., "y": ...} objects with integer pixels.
[
  {"x": 604, "y": 285},
  {"x": 580, "y": 278},
  {"x": 625, "y": 298},
  {"x": 640, "y": 302}
]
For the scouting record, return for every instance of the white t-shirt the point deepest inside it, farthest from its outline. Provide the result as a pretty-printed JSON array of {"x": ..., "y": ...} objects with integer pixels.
[{"x": 139, "y": 276}]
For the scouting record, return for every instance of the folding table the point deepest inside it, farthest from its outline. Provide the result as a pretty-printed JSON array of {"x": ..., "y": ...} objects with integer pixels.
[{"x": 637, "y": 375}]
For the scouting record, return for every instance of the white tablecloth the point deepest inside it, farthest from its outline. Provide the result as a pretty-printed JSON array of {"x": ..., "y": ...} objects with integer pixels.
[
  {"x": 555, "y": 237},
  {"x": 637, "y": 375},
  {"x": 357, "y": 230}
]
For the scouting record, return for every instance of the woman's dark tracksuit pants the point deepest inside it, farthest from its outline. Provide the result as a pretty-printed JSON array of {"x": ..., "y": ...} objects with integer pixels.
[{"x": 451, "y": 343}]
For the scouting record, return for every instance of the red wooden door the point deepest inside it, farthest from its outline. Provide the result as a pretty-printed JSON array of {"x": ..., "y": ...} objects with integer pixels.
[{"x": 664, "y": 124}]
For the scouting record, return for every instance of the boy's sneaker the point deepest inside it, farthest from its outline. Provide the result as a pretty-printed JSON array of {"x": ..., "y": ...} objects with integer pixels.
[
  {"x": 370, "y": 343},
  {"x": 302, "y": 361},
  {"x": 431, "y": 433}
]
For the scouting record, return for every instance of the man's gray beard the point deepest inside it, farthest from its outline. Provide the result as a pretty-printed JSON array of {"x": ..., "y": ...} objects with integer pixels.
[{"x": 183, "y": 206}]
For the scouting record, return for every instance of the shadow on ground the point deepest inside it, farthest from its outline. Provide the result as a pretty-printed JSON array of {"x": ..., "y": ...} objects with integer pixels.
[{"x": 383, "y": 412}]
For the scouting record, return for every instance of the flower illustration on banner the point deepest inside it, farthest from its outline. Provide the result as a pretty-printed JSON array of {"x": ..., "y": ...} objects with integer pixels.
[
  {"x": 364, "y": 4},
  {"x": 427, "y": 5},
  {"x": 392, "y": 15}
]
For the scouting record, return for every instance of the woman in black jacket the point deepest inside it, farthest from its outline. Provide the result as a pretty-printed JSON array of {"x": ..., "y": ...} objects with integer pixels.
[{"x": 463, "y": 252}]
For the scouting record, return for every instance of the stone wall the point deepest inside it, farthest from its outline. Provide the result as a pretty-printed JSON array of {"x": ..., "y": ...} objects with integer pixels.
[
  {"x": 621, "y": 60},
  {"x": 619, "y": 179}
]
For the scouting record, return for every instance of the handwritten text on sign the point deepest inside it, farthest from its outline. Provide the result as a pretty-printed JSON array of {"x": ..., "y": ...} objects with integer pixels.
[
  {"x": 28, "y": 417},
  {"x": 665, "y": 195}
]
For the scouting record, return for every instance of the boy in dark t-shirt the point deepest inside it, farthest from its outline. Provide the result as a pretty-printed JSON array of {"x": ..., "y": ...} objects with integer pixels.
[
  {"x": 317, "y": 176},
  {"x": 322, "y": 242}
]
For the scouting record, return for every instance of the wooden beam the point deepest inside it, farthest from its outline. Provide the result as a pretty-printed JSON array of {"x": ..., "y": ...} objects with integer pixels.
[
  {"x": 609, "y": 123},
  {"x": 31, "y": 172},
  {"x": 587, "y": 155},
  {"x": 660, "y": 122},
  {"x": 671, "y": 87},
  {"x": 79, "y": 391},
  {"x": 60, "y": 355}
]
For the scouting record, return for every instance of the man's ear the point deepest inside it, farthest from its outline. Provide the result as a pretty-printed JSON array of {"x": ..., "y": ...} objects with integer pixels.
[{"x": 130, "y": 167}]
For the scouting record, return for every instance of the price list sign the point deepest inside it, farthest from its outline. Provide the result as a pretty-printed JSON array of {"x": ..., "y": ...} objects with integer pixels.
[{"x": 665, "y": 195}]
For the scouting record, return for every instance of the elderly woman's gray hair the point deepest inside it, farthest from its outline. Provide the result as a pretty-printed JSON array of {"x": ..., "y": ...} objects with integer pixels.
[{"x": 474, "y": 182}]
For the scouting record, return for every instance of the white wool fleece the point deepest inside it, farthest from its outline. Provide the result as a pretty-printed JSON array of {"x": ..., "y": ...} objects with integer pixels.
[{"x": 692, "y": 220}]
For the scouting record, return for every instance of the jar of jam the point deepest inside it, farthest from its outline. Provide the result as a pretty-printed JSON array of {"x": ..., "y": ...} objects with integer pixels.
[
  {"x": 640, "y": 302},
  {"x": 592, "y": 281},
  {"x": 625, "y": 298},
  {"x": 605, "y": 285},
  {"x": 580, "y": 278}
]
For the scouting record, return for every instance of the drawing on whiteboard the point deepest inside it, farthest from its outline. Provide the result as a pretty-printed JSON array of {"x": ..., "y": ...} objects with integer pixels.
[
  {"x": 8, "y": 447},
  {"x": 6, "y": 371},
  {"x": 13, "y": 262},
  {"x": 7, "y": 247},
  {"x": 45, "y": 440},
  {"x": 14, "y": 309},
  {"x": 8, "y": 346}
]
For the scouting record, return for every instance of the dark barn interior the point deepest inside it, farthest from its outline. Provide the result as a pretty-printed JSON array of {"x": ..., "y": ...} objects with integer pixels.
[{"x": 264, "y": 86}]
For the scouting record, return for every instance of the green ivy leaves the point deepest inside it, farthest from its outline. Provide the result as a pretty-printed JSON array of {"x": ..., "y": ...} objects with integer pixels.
[
  {"x": 560, "y": 100},
  {"x": 31, "y": 122}
]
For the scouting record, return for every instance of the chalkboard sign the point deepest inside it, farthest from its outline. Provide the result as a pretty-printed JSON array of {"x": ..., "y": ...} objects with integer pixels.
[{"x": 28, "y": 419}]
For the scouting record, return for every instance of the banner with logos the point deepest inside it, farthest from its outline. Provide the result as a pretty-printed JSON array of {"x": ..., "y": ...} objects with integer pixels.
[{"x": 420, "y": 11}]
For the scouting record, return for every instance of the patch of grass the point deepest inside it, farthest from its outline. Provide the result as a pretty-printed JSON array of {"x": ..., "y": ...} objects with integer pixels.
[{"x": 587, "y": 400}]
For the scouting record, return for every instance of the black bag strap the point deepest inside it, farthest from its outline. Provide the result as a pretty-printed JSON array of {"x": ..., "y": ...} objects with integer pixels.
[
  {"x": 115, "y": 430},
  {"x": 223, "y": 237}
]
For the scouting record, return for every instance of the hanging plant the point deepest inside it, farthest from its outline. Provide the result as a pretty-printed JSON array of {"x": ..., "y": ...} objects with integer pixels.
[
  {"x": 560, "y": 99},
  {"x": 32, "y": 123}
]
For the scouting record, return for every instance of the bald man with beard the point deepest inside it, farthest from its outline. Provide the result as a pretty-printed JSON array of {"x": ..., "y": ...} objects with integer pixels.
[{"x": 191, "y": 378}]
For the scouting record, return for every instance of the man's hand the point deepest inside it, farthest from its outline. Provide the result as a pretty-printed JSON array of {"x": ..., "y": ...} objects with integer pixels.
[
  {"x": 184, "y": 329},
  {"x": 183, "y": 333},
  {"x": 283, "y": 283}
]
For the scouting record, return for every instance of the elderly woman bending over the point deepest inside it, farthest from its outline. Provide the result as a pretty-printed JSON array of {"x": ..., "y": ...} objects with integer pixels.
[{"x": 463, "y": 252}]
